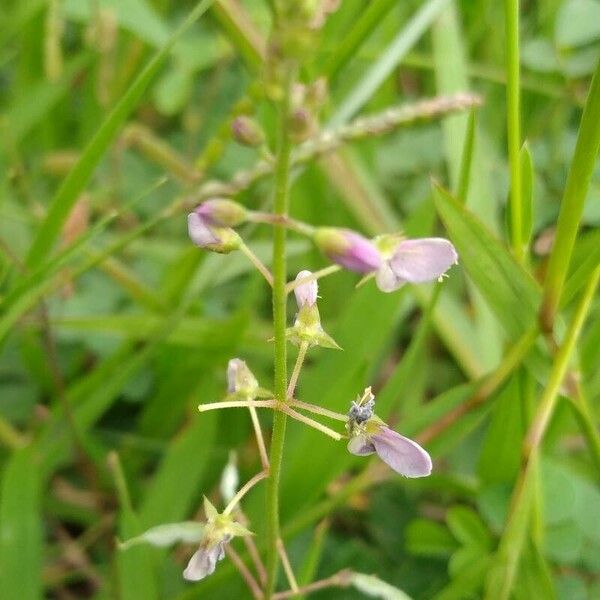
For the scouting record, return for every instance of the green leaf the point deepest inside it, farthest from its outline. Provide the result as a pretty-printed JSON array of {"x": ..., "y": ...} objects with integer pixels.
[
  {"x": 500, "y": 456},
  {"x": 185, "y": 463},
  {"x": 81, "y": 173},
  {"x": 134, "y": 564},
  {"x": 428, "y": 538},
  {"x": 383, "y": 67},
  {"x": 577, "y": 23},
  {"x": 467, "y": 527},
  {"x": 509, "y": 290},
  {"x": 21, "y": 536}
]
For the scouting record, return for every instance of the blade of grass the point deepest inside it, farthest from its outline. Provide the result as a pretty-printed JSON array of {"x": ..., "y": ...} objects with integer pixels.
[
  {"x": 571, "y": 208},
  {"x": 388, "y": 61},
  {"x": 21, "y": 528},
  {"x": 78, "y": 177}
]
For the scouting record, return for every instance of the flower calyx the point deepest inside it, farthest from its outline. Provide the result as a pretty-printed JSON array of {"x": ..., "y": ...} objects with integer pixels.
[
  {"x": 220, "y": 529},
  {"x": 242, "y": 384}
]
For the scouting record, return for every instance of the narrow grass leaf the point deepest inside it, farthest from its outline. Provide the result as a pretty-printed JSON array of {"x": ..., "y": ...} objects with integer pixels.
[
  {"x": 77, "y": 179},
  {"x": 21, "y": 535}
]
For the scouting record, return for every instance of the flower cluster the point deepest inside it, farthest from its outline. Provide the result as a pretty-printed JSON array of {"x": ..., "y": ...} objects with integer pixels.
[{"x": 391, "y": 259}]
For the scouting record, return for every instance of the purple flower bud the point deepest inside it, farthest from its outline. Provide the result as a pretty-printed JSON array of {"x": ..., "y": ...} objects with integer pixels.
[
  {"x": 222, "y": 212},
  {"x": 247, "y": 131},
  {"x": 416, "y": 261},
  {"x": 216, "y": 239},
  {"x": 306, "y": 293},
  {"x": 348, "y": 249}
]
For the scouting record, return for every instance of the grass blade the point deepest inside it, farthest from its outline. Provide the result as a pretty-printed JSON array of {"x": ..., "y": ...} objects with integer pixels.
[{"x": 79, "y": 176}]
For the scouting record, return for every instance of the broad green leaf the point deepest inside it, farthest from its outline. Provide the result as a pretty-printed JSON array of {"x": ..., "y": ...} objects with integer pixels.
[
  {"x": 21, "y": 528},
  {"x": 429, "y": 538},
  {"x": 468, "y": 528},
  {"x": 467, "y": 583},
  {"x": 500, "y": 456},
  {"x": 510, "y": 291}
]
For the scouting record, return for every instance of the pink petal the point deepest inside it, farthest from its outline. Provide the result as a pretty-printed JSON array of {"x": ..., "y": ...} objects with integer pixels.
[
  {"x": 387, "y": 280},
  {"x": 306, "y": 293},
  {"x": 204, "y": 561},
  {"x": 360, "y": 446},
  {"x": 199, "y": 231},
  {"x": 423, "y": 259},
  {"x": 401, "y": 454}
]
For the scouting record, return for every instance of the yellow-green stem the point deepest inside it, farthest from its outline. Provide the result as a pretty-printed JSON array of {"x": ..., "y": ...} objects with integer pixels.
[
  {"x": 511, "y": 11},
  {"x": 280, "y": 207}
]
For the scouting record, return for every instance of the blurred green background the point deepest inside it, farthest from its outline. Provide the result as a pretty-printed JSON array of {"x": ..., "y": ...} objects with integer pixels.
[{"x": 113, "y": 326}]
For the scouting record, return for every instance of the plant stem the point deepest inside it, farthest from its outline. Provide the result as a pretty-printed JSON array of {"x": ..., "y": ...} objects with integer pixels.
[
  {"x": 283, "y": 220},
  {"x": 244, "y": 490},
  {"x": 287, "y": 567},
  {"x": 280, "y": 207},
  {"x": 243, "y": 570},
  {"x": 511, "y": 12},
  {"x": 318, "y": 410},
  {"x": 297, "y": 369},
  {"x": 260, "y": 440},
  {"x": 260, "y": 267}
]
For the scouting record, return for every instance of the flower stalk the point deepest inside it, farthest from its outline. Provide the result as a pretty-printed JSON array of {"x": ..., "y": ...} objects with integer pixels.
[{"x": 280, "y": 207}]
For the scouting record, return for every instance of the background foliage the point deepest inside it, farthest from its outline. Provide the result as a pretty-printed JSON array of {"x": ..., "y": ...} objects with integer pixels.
[{"x": 113, "y": 326}]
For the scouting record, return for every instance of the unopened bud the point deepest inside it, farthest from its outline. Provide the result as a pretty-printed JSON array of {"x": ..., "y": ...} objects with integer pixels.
[
  {"x": 348, "y": 249},
  {"x": 306, "y": 293},
  {"x": 240, "y": 378},
  {"x": 222, "y": 212},
  {"x": 247, "y": 131},
  {"x": 301, "y": 124},
  {"x": 216, "y": 239}
]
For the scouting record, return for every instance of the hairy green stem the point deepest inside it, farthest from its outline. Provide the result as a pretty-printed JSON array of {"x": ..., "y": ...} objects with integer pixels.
[{"x": 280, "y": 207}]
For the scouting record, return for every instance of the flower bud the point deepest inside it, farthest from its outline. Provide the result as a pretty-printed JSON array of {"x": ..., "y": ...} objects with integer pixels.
[
  {"x": 306, "y": 293},
  {"x": 216, "y": 239},
  {"x": 247, "y": 131},
  {"x": 348, "y": 249},
  {"x": 301, "y": 124},
  {"x": 222, "y": 212},
  {"x": 240, "y": 378}
]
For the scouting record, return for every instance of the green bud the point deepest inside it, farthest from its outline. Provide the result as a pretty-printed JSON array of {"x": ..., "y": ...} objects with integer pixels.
[{"x": 247, "y": 131}]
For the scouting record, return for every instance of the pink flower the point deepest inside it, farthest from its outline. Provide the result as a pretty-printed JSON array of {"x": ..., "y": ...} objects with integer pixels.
[
  {"x": 348, "y": 249},
  {"x": 369, "y": 434},
  {"x": 415, "y": 261}
]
